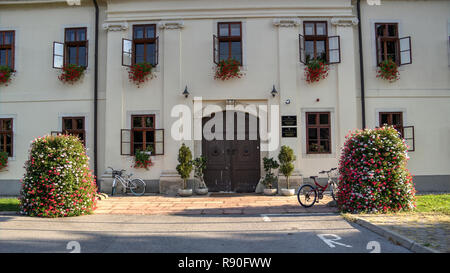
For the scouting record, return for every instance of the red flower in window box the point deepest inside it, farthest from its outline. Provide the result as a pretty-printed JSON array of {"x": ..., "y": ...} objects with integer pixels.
[
  {"x": 71, "y": 73},
  {"x": 140, "y": 73},
  {"x": 142, "y": 159},
  {"x": 3, "y": 160},
  {"x": 388, "y": 70},
  {"x": 315, "y": 71},
  {"x": 228, "y": 69},
  {"x": 5, "y": 74}
]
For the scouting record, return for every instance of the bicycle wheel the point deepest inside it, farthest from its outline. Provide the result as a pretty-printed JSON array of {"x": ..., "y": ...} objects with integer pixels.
[
  {"x": 137, "y": 186},
  {"x": 113, "y": 189},
  {"x": 307, "y": 196},
  {"x": 334, "y": 191}
]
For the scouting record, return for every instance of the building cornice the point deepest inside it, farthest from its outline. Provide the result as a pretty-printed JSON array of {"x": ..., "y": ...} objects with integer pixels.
[
  {"x": 171, "y": 25},
  {"x": 344, "y": 21},
  {"x": 118, "y": 26},
  {"x": 286, "y": 22}
]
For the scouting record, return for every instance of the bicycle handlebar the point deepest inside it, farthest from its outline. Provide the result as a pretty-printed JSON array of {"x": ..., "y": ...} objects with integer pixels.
[{"x": 329, "y": 171}]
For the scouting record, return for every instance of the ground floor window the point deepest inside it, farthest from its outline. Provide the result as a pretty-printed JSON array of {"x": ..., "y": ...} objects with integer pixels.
[
  {"x": 394, "y": 119},
  {"x": 6, "y": 135},
  {"x": 318, "y": 133},
  {"x": 74, "y": 126},
  {"x": 142, "y": 133}
]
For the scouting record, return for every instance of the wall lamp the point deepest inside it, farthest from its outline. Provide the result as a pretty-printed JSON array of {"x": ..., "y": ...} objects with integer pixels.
[
  {"x": 274, "y": 92},
  {"x": 185, "y": 92}
]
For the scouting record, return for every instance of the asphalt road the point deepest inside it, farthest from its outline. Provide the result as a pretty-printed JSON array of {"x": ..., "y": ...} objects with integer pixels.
[{"x": 297, "y": 233}]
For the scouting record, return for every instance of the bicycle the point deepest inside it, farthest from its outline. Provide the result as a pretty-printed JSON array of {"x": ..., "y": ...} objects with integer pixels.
[
  {"x": 136, "y": 186},
  {"x": 307, "y": 194}
]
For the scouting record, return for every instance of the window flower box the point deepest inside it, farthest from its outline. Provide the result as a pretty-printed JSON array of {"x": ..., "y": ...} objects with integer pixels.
[
  {"x": 140, "y": 73},
  {"x": 388, "y": 71},
  {"x": 6, "y": 74},
  {"x": 71, "y": 73},
  {"x": 316, "y": 70},
  {"x": 228, "y": 69}
]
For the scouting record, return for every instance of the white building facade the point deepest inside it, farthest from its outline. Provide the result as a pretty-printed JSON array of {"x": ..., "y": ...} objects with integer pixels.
[{"x": 183, "y": 39}]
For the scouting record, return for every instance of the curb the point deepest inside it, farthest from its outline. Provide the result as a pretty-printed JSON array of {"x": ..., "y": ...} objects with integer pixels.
[
  {"x": 8, "y": 213},
  {"x": 393, "y": 236}
]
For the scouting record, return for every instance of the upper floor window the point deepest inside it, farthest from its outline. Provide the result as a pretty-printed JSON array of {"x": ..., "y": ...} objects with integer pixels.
[
  {"x": 74, "y": 50},
  {"x": 7, "y": 48},
  {"x": 228, "y": 42},
  {"x": 315, "y": 44},
  {"x": 390, "y": 46},
  {"x": 395, "y": 119},
  {"x": 75, "y": 41},
  {"x": 143, "y": 48},
  {"x": 6, "y": 135}
]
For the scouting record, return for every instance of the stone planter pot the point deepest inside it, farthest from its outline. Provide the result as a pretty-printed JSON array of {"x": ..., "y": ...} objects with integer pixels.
[
  {"x": 185, "y": 192},
  {"x": 270, "y": 192},
  {"x": 287, "y": 192},
  {"x": 201, "y": 191}
]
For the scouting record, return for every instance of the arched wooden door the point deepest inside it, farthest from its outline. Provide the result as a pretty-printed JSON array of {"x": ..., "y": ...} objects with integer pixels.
[{"x": 233, "y": 162}]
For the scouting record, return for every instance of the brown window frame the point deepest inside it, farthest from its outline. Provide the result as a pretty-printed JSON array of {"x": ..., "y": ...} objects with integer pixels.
[
  {"x": 142, "y": 129},
  {"x": 315, "y": 37},
  {"x": 145, "y": 41},
  {"x": 229, "y": 39},
  {"x": 74, "y": 131},
  {"x": 318, "y": 126},
  {"x": 10, "y": 46},
  {"x": 5, "y": 133},
  {"x": 77, "y": 43},
  {"x": 384, "y": 39},
  {"x": 398, "y": 127}
]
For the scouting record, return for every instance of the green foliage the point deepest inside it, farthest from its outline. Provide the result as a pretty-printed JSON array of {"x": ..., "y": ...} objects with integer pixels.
[
  {"x": 58, "y": 181},
  {"x": 269, "y": 178},
  {"x": 435, "y": 203},
  {"x": 373, "y": 173},
  {"x": 199, "y": 169},
  {"x": 286, "y": 158},
  {"x": 142, "y": 158},
  {"x": 184, "y": 169},
  {"x": 3, "y": 159}
]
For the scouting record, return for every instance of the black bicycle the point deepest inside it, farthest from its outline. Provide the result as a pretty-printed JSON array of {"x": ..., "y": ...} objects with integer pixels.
[{"x": 308, "y": 194}]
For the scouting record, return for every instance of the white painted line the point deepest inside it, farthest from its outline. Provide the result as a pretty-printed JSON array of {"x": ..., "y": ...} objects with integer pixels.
[
  {"x": 332, "y": 242},
  {"x": 266, "y": 217}
]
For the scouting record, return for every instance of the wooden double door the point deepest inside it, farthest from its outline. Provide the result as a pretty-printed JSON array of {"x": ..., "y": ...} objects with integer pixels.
[{"x": 233, "y": 165}]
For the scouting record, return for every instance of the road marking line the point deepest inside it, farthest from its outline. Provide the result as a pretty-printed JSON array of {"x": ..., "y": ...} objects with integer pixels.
[
  {"x": 266, "y": 217},
  {"x": 332, "y": 242}
]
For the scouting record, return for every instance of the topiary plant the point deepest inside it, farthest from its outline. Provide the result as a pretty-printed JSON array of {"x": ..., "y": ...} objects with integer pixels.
[
  {"x": 269, "y": 178},
  {"x": 3, "y": 159},
  {"x": 286, "y": 158},
  {"x": 184, "y": 169},
  {"x": 199, "y": 170},
  {"x": 58, "y": 181},
  {"x": 373, "y": 173}
]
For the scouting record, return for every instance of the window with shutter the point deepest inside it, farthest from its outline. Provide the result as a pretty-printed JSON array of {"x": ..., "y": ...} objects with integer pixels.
[
  {"x": 6, "y": 135},
  {"x": 316, "y": 44},
  {"x": 390, "y": 46},
  {"x": 229, "y": 41},
  {"x": 7, "y": 48},
  {"x": 142, "y": 136}
]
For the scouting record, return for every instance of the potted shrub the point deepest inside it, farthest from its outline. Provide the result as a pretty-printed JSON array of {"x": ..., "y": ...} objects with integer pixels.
[
  {"x": 373, "y": 174},
  {"x": 286, "y": 158},
  {"x": 3, "y": 160},
  {"x": 140, "y": 73},
  {"x": 228, "y": 69},
  {"x": 315, "y": 70},
  {"x": 269, "y": 178},
  {"x": 58, "y": 181},
  {"x": 199, "y": 168},
  {"x": 5, "y": 74},
  {"x": 142, "y": 159},
  {"x": 184, "y": 168},
  {"x": 71, "y": 73},
  {"x": 388, "y": 70}
]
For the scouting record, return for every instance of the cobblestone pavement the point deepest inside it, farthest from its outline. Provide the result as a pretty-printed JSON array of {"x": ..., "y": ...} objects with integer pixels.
[
  {"x": 212, "y": 205},
  {"x": 429, "y": 229}
]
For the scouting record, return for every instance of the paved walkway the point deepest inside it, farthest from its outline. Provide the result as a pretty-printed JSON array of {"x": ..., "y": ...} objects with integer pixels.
[
  {"x": 208, "y": 205},
  {"x": 429, "y": 229}
]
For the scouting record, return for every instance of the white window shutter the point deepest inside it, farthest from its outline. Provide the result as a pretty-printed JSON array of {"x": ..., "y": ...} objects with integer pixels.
[
  {"x": 127, "y": 52},
  {"x": 58, "y": 55},
  {"x": 159, "y": 141},
  {"x": 405, "y": 50},
  {"x": 301, "y": 46},
  {"x": 334, "y": 49},
  {"x": 125, "y": 142}
]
